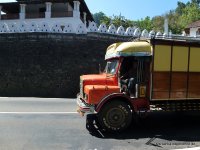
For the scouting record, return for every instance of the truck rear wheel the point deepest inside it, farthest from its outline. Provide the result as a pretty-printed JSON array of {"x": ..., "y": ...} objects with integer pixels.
[{"x": 115, "y": 116}]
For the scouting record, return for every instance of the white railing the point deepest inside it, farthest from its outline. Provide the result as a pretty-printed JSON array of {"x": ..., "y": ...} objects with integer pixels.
[{"x": 23, "y": 27}]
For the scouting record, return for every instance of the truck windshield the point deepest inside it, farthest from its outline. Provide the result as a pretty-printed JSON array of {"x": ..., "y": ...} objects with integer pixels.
[{"x": 111, "y": 67}]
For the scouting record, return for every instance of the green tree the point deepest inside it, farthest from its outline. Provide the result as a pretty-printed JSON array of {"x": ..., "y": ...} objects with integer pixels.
[
  {"x": 196, "y": 2},
  {"x": 144, "y": 23},
  {"x": 158, "y": 23},
  {"x": 190, "y": 14},
  {"x": 174, "y": 22},
  {"x": 118, "y": 20},
  {"x": 180, "y": 8},
  {"x": 106, "y": 20},
  {"x": 121, "y": 21},
  {"x": 98, "y": 17}
]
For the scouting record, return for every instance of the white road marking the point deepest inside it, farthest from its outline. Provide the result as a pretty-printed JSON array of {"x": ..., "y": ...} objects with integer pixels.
[
  {"x": 37, "y": 99},
  {"x": 194, "y": 148},
  {"x": 23, "y": 113}
]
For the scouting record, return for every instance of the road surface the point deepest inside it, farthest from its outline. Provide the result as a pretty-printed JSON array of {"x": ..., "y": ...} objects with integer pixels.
[{"x": 53, "y": 124}]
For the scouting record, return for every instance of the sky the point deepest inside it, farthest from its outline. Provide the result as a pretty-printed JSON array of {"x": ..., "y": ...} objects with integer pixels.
[
  {"x": 130, "y": 9},
  {"x": 133, "y": 9}
]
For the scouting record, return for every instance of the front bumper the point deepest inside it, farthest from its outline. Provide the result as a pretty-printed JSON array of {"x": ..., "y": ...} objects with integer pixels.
[{"x": 83, "y": 107}]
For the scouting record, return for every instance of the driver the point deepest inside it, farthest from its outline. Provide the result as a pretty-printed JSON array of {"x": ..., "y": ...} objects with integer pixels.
[{"x": 129, "y": 79}]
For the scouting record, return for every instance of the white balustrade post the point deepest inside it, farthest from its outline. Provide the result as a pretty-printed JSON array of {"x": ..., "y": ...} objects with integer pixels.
[
  {"x": 85, "y": 18},
  {"x": 0, "y": 11},
  {"x": 166, "y": 28},
  {"x": 48, "y": 10},
  {"x": 76, "y": 11},
  {"x": 22, "y": 13}
]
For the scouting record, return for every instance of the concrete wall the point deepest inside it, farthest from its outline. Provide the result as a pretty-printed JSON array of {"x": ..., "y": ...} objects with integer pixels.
[{"x": 49, "y": 64}]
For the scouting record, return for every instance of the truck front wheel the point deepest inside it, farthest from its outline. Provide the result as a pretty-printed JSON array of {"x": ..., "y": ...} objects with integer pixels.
[{"x": 115, "y": 116}]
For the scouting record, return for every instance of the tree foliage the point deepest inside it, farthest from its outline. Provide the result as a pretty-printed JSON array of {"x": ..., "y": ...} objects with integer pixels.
[
  {"x": 190, "y": 14},
  {"x": 145, "y": 23},
  {"x": 99, "y": 17},
  {"x": 178, "y": 19},
  {"x": 121, "y": 21},
  {"x": 174, "y": 23},
  {"x": 180, "y": 7}
]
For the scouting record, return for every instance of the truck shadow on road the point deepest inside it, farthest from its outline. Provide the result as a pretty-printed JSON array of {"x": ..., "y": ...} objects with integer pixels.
[{"x": 167, "y": 126}]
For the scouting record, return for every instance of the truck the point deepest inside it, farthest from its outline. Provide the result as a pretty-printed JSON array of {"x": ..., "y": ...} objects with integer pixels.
[{"x": 165, "y": 77}]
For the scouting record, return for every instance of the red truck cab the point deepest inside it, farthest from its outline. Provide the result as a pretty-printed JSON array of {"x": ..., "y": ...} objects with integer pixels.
[{"x": 106, "y": 96}]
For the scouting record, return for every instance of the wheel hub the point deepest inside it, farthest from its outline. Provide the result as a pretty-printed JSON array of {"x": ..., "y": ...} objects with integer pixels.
[{"x": 115, "y": 117}]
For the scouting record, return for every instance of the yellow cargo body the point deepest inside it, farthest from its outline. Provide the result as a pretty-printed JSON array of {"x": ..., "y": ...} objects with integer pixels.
[{"x": 176, "y": 71}]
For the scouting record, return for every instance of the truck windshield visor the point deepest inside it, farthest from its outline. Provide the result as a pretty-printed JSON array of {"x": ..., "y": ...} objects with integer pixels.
[{"x": 111, "y": 66}]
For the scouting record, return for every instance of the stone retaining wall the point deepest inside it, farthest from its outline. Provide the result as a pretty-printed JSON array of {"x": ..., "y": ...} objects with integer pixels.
[{"x": 49, "y": 64}]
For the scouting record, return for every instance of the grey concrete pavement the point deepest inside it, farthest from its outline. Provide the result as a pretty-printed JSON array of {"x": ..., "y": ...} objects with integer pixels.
[{"x": 26, "y": 131}]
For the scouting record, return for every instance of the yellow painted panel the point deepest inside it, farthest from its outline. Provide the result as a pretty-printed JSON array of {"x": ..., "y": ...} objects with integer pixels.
[
  {"x": 180, "y": 58},
  {"x": 162, "y": 58},
  {"x": 194, "y": 59}
]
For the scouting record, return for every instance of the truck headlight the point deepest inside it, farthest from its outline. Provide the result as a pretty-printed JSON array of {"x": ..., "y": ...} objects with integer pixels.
[{"x": 81, "y": 88}]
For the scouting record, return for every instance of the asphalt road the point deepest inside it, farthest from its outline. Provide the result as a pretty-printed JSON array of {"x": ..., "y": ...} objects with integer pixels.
[{"x": 53, "y": 124}]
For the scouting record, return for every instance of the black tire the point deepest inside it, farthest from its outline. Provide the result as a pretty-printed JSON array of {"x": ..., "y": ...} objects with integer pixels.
[{"x": 115, "y": 116}]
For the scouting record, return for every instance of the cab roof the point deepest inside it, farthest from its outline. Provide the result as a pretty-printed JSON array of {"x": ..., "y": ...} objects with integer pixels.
[{"x": 126, "y": 49}]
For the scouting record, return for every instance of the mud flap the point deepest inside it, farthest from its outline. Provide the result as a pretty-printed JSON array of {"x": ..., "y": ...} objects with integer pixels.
[{"x": 91, "y": 122}]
